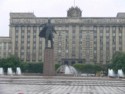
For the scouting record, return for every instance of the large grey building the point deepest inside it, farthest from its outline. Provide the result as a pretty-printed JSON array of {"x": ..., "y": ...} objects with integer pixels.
[
  {"x": 5, "y": 47},
  {"x": 78, "y": 39}
]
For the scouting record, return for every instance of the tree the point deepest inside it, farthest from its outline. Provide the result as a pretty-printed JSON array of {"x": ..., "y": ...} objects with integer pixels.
[
  {"x": 118, "y": 61},
  {"x": 11, "y": 61}
]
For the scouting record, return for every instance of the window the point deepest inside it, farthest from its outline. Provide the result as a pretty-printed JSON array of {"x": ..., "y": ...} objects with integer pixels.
[
  {"x": 95, "y": 28},
  {"x": 73, "y": 42},
  {"x": 120, "y": 28},
  {"x": 107, "y": 33},
  {"x": 114, "y": 46},
  {"x": 73, "y": 31},
  {"x": 34, "y": 33},
  {"x": 101, "y": 33},
  {"x": 114, "y": 34},
  {"x": 22, "y": 28},
  {"x": 113, "y": 28},
  {"x": 87, "y": 44},
  {"x": 28, "y": 44},
  {"x": 28, "y": 39},
  {"x": 40, "y": 28},
  {"x": 16, "y": 28},
  {"x": 120, "y": 40},
  {"x": 107, "y": 28},
  {"x": 16, "y": 39},
  {"x": 101, "y": 28},
  {"x": 113, "y": 40},
  {"x": 16, "y": 33},
  {"x": 101, "y": 40},
  {"x": 95, "y": 33},
  {"x": 95, "y": 51},
  {"x": 120, "y": 48},
  {"x": 28, "y": 28},
  {"x": 80, "y": 34},
  {"x": 87, "y": 37},
  {"x": 22, "y": 39},
  {"x": 59, "y": 33},
  {"x": 120, "y": 33},
  {"x": 107, "y": 39},
  {"x": 34, "y": 28},
  {"x": 28, "y": 33},
  {"x": 80, "y": 42},
  {"x": 67, "y": 51},
  {"x": 66, "y": 32},
  {"x": 73, "y": 27},
  {"x": 22, "y": 42},
  {"x": 107, "y": 46},
  {"x": 73, "y": 37},
  {"x": 59, "y": 51}
]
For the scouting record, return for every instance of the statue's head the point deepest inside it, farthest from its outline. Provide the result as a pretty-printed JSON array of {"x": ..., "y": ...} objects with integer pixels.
[{"x": 49, "y": 20}]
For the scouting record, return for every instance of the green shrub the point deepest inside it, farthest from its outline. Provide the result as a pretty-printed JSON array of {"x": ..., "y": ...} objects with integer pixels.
[
  {"x": 88, "y": 68},
  {"x": 32, "y": 67},
  {"x": 57, "y": 66}
]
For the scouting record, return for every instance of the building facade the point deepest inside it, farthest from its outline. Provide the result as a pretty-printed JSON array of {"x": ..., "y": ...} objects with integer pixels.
[
  {"x": 5, "y": 47},
  {"x": 78, "y": 39}
]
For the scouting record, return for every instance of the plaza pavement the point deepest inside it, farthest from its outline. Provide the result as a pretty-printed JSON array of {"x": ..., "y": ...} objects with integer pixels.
[{"x": 61, "y": 85}]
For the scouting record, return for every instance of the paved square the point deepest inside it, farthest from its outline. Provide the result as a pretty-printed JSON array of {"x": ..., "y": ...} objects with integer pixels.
[
  {"x": 61, "y": 86},
  {"x": 59, "y": 89}
]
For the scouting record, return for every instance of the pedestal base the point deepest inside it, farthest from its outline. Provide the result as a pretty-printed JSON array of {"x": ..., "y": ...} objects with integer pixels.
[{"x": 49, "y": 66}]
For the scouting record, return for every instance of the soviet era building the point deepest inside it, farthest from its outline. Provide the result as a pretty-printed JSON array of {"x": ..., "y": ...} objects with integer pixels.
[
  {"x": 5, "y": 47},
  {"x": 78, "y": 39}
]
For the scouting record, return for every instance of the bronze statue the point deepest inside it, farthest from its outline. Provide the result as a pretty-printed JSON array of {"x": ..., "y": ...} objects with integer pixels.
[{"x": 47, "y": 33}]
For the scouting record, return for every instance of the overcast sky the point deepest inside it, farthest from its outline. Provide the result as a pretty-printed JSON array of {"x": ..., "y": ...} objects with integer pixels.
[{"x": 57, "y": 8}]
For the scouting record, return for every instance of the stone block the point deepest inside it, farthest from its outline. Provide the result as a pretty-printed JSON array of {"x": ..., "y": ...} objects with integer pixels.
[{"x": 49, "y": 65}]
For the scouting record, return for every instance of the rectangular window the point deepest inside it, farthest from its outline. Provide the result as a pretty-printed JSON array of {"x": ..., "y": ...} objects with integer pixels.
[
  {"x": 34, "y": 28},
  {"x": 22, "y": 28},
  {"x": 73, "y": 32},
  {"x": 87, "y": 44},
  {"x": 28, "y": 33},
  {"x": 95, "y": 28},
  {"x": 16, "y": 28},
  {"x": 16, "y": 33},
  {"x": 74, "y": 27},
  {"x": 73, "y": 42},
  {"x": 107, "y": 33},
  {"x": 87, "y": 37},
  {"x": 101, "y": 28},
  {"x": 101, "y": 33},
  {"x": 120, "y": 28},
  {"x": 28, "y": 28},
  {"x": 107, "y": 39},
  {"x": 40, "y": 28},
  {"x": 28, "y": 44},
  {"x": 120, "y": 40},
  {"x": 95, "y": 34},
  {"x": 114, "y": 34},
  {"x": 120, "y": 48},
  {"x": 120, "y": 33},
  {"x": 107, "y": 28},
  {"x": 113, "y": 40},
  {"x": 113, "y": 28},
  {"x": 95, "y": 51}
]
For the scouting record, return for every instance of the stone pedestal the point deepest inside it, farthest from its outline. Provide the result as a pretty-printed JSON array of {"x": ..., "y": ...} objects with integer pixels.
[{"x": 49, "y": 66}]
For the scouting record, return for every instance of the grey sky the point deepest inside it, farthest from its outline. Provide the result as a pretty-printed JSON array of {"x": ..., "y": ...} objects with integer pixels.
[{"x": 57, "y": 8}]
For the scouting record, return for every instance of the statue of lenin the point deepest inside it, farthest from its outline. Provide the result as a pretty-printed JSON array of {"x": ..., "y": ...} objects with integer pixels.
[{"x": 47, "y": 33}]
